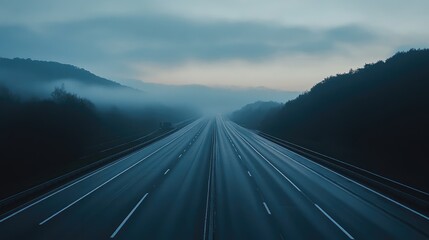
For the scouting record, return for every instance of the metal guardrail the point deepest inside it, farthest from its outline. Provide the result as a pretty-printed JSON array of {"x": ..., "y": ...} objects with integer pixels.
[
  {"x": 408, "y": 195},
  {"x": 15, "y": 200}
]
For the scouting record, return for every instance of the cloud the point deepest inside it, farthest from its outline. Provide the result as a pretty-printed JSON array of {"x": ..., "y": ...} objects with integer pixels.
[
  {"x": 110, "y": 38},
  {"x": 182, "y": 50},
  {"x": 171, "y": 39},
  {"x": 289, "y": 72},
  {"x": 177, "y": 50}
]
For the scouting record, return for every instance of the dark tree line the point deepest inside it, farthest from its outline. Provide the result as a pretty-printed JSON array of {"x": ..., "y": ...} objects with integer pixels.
[
  {"x": 376, "y": 117},
  {"x": 43, "y": 138},
  {"x": 252, "y": 115}
]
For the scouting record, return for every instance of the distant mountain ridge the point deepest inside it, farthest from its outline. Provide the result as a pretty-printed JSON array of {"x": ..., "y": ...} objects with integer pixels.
[
  {"x": 375, "y": 117},
  {"x": 29, "y": 79},
  {"x": 19, "y": 69},
  {"x": 217, "y": 99},
  {"x": 32, "y": 78}
]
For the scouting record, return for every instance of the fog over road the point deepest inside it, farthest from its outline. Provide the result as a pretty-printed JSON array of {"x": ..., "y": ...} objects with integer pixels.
[{"x": 213, "y": 180}]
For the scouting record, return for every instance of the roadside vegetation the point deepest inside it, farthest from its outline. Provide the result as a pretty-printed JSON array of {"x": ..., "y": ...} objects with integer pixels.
[{"x": 375, "y": 117}]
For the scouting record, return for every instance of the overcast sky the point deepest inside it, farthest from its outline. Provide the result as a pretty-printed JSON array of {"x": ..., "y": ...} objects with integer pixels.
[{"x": 279, "y": 44}]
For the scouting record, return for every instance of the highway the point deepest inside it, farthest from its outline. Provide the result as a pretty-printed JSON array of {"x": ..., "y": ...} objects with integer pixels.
[{"x": 213, "y": 180}]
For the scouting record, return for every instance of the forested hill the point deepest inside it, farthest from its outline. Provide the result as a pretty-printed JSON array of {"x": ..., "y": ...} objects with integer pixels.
[
  {"x": 375, "y": 117},
  {"x": 253, "y": 114},
  {"x": 19, "y": 69}
]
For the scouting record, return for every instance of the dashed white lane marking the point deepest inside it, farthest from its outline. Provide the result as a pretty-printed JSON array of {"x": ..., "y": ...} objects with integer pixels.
[
  {"x": 166, "y": 171},
  {"x": 106, "y": 182},
  {"x": 284, "y": 176},
  {"x": 266, "y": 208},
  {"x": 369, "y": 189},
  {"x": 249, "y": 173},
  {"x": 80, "y": 180},
  {"x": 317, "y": 206}
]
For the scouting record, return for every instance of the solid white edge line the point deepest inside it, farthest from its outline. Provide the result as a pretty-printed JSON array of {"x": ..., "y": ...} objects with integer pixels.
[
  {"x": 320, "y": 209},
  {"x": 117, "y": 175},
  {"x": 351, "y": 180},
  {"x": 58, "y": 191},
  {"x": 388, "y": 179},
  {"x": 128, "y": 216},
  {"x": 332, "y": 220},
  {"x": 363, "y": 186},
  {"x": 293, "y": 184},
  {"x": 68, "y": 186},
  {"x": 266, "y": 208},
  {"x": 82, "y": 179},
  {"x": 304, "y": 166}
]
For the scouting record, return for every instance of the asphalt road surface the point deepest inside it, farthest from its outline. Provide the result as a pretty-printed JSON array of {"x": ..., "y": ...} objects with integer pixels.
[{"x": 213, "y": 180}]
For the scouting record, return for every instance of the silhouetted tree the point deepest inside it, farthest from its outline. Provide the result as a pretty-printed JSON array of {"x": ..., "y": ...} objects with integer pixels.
[{"x": 375, "y": 117}]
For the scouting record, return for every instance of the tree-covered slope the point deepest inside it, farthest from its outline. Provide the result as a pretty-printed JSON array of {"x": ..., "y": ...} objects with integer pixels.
[{"x": 376, "y": 117}]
